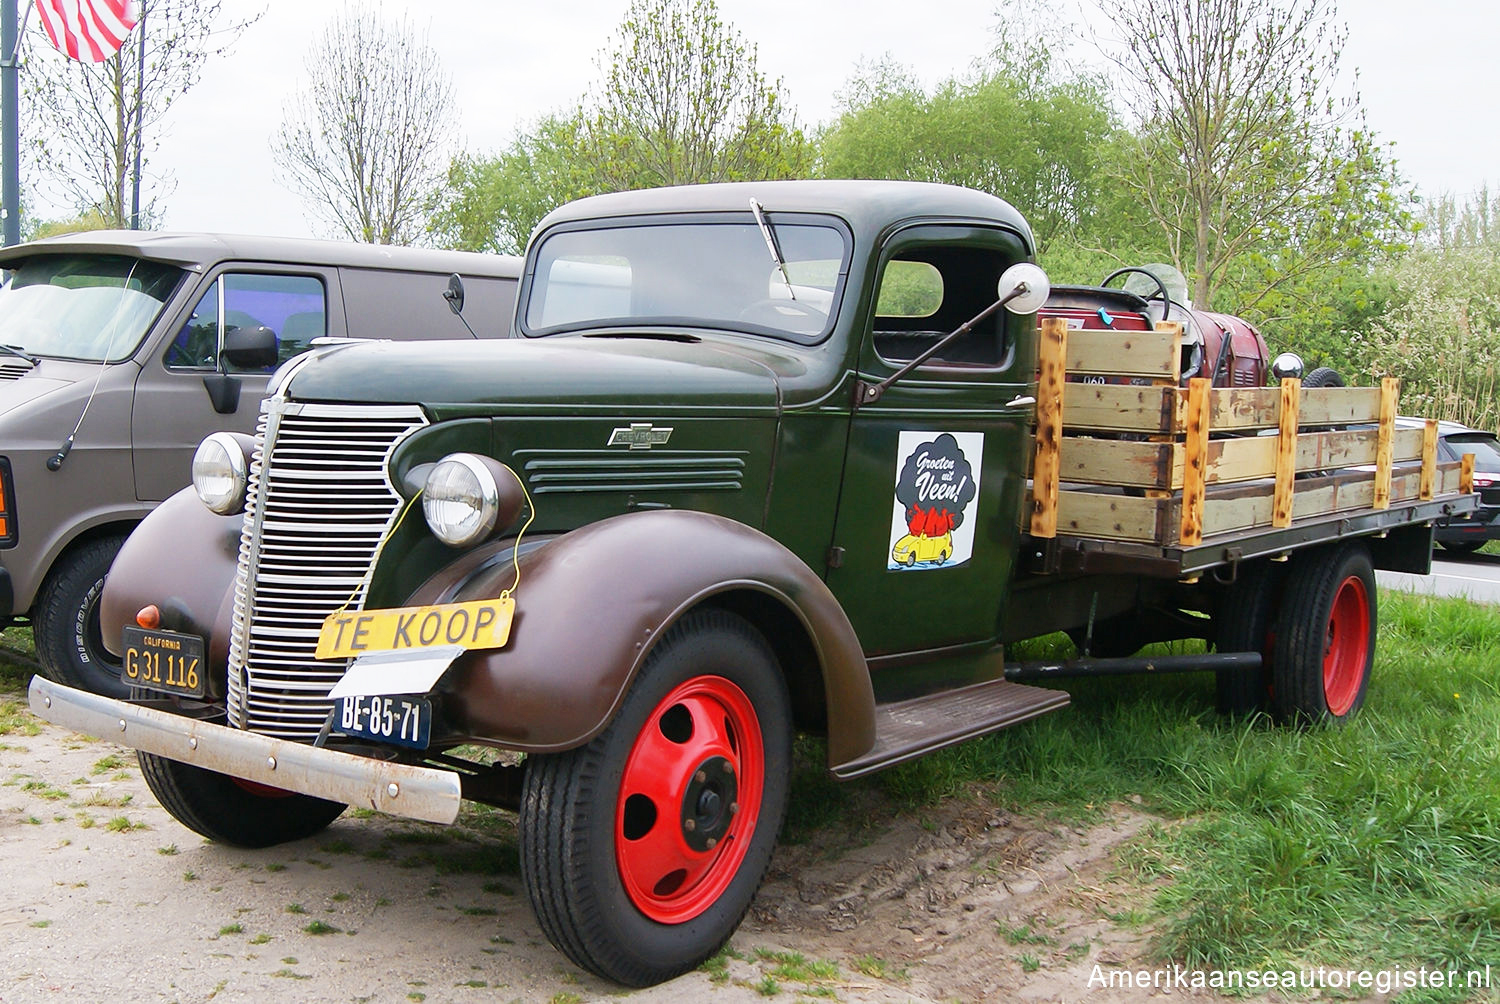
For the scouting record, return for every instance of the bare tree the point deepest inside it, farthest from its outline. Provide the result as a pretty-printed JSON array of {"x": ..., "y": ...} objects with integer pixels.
[
  {"x": 365, "y": 143},
  {"x": 1242, "y": 145},
  {"x": 83, "y": 120}
]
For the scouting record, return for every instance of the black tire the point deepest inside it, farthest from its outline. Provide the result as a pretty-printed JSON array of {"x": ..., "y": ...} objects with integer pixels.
[
  {"x": 1325, "y": 636},
  {"x": 1462, "y": 546},
  {"x": 65, "y": 624},
  {"x": 1323, "y": 376},
  {"x": 584, "y": 842},
  {"x": 230, "y": 811},
  {"x": 1246, "y": 622}
]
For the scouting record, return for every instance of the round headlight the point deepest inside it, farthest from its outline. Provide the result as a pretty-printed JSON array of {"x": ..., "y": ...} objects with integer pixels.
[
  {"x": 221, "y": 470},
  {"x": 461, "y": 500}
]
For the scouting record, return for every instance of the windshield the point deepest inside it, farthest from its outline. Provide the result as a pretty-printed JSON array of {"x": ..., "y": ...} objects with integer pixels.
[
  {"x": 715, "y": 274},
  {"x": 83, "y": 306}
]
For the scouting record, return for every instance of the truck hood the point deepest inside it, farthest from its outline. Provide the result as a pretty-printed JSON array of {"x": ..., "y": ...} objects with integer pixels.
[{"x": 560, "y": 373}]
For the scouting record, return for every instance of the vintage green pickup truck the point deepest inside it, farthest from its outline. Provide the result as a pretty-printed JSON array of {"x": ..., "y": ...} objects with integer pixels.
[{"x": 761, "y": 459}]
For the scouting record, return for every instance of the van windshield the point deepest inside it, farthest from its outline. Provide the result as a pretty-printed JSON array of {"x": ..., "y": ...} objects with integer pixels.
[
  {"x": 83, "y": 306},
  {"x": 691, "y": 274}
]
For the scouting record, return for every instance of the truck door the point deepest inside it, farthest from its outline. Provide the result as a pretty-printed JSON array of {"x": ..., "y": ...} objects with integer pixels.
[
  {"x": 174, "y": 408},
  {"x": 935, "y": 471}
]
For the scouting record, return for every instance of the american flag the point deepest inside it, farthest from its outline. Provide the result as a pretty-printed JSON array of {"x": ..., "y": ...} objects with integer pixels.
[{"x": 91, "y": 30}]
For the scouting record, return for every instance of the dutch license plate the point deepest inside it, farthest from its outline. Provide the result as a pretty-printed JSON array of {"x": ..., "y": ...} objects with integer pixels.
[
  {"x": 404, "y": 721},
  {"x": 473, "y": 625},
  {"x": 166, "y": 661}
]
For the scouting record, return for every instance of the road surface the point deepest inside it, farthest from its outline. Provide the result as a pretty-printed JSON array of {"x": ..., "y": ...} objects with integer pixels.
[{"x": 1476, "y": 576}]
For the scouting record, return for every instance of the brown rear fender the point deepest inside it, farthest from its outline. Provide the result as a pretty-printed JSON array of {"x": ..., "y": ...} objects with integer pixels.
[
  {"x": 591, "y": 604},
  {"x": 182, "y": 558}
]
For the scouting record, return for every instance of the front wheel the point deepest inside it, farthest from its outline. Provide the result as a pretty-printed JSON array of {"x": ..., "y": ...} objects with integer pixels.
[
  {"x": 1325, "y": 638},
  {"x": 642, "y": 850},
  {"x": 230, "y": 811}
]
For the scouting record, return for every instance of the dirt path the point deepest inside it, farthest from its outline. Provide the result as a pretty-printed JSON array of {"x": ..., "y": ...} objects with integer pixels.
[{"x": 108, "y": 898}]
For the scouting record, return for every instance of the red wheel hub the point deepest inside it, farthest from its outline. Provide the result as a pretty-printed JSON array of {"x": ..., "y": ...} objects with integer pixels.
[
  {"x": 1348, "y": 652},
  {"x": 689, "y": 799}
]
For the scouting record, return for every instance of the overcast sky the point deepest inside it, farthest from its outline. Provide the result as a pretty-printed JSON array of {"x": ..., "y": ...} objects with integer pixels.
[{"x": 1427, "y": 76}]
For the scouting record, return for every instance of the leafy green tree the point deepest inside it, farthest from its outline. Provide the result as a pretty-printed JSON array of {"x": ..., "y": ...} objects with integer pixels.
[
  {"x": 1440, "y": 335},
  {"x": 1012, "y": 129},
  {"x": 680, "y": 100},
  {"x": 1258, "y": 177}
]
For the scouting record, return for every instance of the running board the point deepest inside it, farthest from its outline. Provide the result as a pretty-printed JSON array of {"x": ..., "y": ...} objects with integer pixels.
[{"x": 906, "y": 730}]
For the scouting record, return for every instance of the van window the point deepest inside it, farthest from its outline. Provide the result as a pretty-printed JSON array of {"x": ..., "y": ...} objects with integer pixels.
[{"x": 293, "y": 306}]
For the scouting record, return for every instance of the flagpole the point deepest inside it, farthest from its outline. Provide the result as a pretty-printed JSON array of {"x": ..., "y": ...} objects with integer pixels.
[{"x": 10, "y": 127}]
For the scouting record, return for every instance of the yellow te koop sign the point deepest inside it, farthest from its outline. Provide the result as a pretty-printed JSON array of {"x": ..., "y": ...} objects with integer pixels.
[{"x": 476, "y": 624}]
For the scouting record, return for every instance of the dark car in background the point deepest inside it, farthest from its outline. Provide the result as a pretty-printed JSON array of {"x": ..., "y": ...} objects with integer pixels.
[
  {"x": 121, "y": 350},
  {"x": 1464, "y": 535}
]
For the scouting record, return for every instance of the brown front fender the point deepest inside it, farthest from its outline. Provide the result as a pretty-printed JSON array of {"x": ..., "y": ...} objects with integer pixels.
[
  {"x": 591, "y": 603},
  {"x": 182, "y": 558}
]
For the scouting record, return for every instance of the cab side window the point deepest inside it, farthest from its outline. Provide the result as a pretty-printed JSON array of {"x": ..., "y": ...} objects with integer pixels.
[
  {"x": 294, "y": 307},
  {"x": 928, "y": 290}
]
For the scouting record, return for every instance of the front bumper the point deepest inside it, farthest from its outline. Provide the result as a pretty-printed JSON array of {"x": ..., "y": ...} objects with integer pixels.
[{"x": 399, "y": 789}]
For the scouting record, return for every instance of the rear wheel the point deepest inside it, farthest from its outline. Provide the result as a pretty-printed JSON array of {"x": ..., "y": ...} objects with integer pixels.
[
  {"x": 1323, "y": 376},
  {"x": 1246, "y": 623},
  {"x": 231, "y": 811},
  {"x": 65, "y": 627},
  {"x": 642, "y": 850},
  {"x": 1325, "y": 636}
]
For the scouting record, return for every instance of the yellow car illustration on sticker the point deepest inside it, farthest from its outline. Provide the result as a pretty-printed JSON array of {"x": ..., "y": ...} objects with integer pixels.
[{"x": 914, "y": 548}]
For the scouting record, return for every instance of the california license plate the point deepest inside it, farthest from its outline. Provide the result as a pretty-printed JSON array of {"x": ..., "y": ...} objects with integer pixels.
[
  {"x": 165, "y": 661},
  {"x": 404, "y": 721}
]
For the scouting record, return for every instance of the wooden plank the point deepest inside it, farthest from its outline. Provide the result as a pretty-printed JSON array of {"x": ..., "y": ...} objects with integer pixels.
[
  {"x": 1429, "y": 457},
  {"x": 1389, "y": 391},
  {"x": 1194, "y": 459},
  {"x": 1243, "y": 409},
  {"x": 1049, "y": 411},
  {"x": 1466, "y": 474},
  {"x": 1149, "y": 354},
  {"x": 1229, "y": 514},
  {"x": 1286, "y": 454},
  {"x": 1111, "y": 407},
  {"x": 1111, "y": 517},
  {"x": 1173, "y": 330},
  {"x": 1121, "y": 462}
]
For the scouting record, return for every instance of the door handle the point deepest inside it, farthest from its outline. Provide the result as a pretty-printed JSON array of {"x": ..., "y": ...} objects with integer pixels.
[{"x": 1021, "y": 402}]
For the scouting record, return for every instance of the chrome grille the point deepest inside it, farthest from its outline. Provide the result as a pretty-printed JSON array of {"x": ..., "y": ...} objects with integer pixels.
[{"x": 316, "y": 512}]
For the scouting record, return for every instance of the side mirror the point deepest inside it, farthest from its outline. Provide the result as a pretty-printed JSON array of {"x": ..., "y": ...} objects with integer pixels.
[
  {"x": 1288, "y": 364},
  {"x": 454, "y": 294},
  {"x": 1023, "y": 288},
  {"x": 250, "y": 348}
]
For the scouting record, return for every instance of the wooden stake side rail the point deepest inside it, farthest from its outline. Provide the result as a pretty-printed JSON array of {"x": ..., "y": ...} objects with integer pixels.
[{"x": 1195, "y": 462}]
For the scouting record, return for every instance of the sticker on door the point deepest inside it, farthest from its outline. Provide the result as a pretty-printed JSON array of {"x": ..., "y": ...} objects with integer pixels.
[{"x": 937, "y": 492}]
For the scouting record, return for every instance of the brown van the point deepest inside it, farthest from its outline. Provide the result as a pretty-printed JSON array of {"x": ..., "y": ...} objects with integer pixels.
[{"x": 121, "y": 350}]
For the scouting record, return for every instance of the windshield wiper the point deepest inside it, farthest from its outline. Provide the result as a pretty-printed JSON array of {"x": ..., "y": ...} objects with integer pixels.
[
  {"x": 16, "y": 350},
  {"x": 772, "y": 244}
]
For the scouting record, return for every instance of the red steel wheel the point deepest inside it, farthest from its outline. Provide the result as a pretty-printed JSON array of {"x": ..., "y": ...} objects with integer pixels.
[
  {"x": 690, "y": 793},
  {"x": 1348, "y": 656},
  {"x": 1325, "y": 635},
  {"x": 642, "y": 849}
]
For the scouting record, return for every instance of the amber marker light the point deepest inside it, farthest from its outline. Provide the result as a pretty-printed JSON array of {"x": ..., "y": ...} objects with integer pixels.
[{"x": 149, "y": 617}]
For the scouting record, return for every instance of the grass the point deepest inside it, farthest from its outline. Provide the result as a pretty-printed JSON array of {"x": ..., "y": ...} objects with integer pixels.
[{"x": 1374, "y": 844}]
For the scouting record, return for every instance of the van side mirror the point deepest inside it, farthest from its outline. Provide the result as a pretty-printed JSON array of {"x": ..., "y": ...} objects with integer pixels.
[
  {"x": 250, "y": 348},
  {"x": 454, "y": 294}
]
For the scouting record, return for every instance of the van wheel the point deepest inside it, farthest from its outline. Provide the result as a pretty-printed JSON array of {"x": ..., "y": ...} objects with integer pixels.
[
  {"x": 642, "y": 850},
  {"x": 228, "y": 810},
  {"x": 1325, "y": 636},
  {"x": 65, "y": 626}
]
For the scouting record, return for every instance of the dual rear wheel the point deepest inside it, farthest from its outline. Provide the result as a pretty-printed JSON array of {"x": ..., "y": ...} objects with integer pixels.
[{"x": 1313, "y": 624}]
